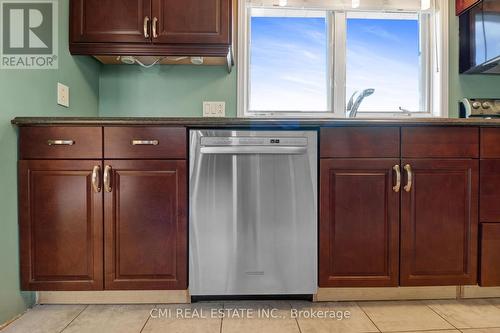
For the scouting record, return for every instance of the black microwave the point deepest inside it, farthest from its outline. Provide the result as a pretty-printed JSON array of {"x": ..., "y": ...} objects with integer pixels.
[{"x": 480, "y": 38}]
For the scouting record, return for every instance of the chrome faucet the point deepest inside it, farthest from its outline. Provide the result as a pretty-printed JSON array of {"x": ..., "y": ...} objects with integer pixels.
[
  {"x": 355, "y": 102},
  {"x": 405, "y": 112}
]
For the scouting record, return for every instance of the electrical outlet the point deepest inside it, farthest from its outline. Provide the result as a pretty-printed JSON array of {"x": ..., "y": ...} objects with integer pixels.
[
  {"x": 62, "y": 95},
  {"x": 214, "y": 109}
]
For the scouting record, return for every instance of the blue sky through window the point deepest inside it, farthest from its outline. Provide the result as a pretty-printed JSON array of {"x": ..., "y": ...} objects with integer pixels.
[
  {"x": 289, "y": 63},
  {"x": 383, "y": 54}
]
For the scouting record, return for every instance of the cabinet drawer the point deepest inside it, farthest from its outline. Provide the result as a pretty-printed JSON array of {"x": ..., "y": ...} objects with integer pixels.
[
  {"x": 490, "y": 137},
  {"x": 60, "y": 142},
  {"x": 440, "y": 142},
  {"x": 376, "y": 142},
  {"x": 490, "y": 248},
  {"x": 145, "y": 142}
]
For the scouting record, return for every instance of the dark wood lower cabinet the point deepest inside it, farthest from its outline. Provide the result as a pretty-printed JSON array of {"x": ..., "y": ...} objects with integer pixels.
[
  {"x": 146, "y": 225},
  {"x": 61, "y": 223},
  {"x": 121, "y": 223},
  {"x": 439, "y": 223},
  {"x": 489, "y": 190},
  {"x": 359, "y": 223},
  {"x": 490, "y": 255}
]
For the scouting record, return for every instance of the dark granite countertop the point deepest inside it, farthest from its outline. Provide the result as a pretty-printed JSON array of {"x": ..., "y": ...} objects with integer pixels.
[{"x": 248, "y": 122}]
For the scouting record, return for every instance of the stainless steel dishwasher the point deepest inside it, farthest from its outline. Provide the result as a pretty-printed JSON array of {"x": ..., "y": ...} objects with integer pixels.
[{"x": 253, "y": 212}]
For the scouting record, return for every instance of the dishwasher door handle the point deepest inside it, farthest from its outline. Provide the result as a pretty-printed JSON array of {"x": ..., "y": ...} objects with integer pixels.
[{"x": 254, "y": 150}]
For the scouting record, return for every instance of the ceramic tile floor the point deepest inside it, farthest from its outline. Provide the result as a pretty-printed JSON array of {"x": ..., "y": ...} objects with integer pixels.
[{"x": 466, "y": 316}]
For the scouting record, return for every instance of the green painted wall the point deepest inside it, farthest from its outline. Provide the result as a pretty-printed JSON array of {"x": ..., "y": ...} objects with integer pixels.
[
  {"x": 179, "y": 90},
  {"x": 164, "y": 91},
  {"x": 33, "y": 93}
]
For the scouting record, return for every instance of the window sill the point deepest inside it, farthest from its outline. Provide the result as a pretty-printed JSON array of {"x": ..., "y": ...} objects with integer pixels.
[
  {"x": 330, "y": 115},
  {"x": 295, "y": 115},
  {"x": 397, "y": 115}
]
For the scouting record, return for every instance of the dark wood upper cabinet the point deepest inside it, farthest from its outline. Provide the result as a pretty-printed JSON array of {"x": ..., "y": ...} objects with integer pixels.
[
  {"x": 439, "y": 222},
  {"x": 359, "y": 223},
  {"x": 463, "y": 5},
  {"x": 146, "y": 225},
  {"x": 61, "y": 222},
  {"x": 192, "y": 21},
  {"x": 151, "y": 27},
  {"x": 110, "y": 21}
]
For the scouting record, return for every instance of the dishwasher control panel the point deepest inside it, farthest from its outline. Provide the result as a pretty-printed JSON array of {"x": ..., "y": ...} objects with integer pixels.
[{"x": 253, "y": 141}]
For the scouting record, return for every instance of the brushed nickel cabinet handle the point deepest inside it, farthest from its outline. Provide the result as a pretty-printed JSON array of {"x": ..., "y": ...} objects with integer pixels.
[
  {"x": 96, "y": 176},
  {"x": 409, "y": 172},
  {"x": 397, "y": 187},
  {"x": 145, "y": 142},
  {"x": 155, "y": 22},
  {"x": 107, "y": 178},
  {"x": 146, "y": 27},
  {"x": 60, "y": 142}
]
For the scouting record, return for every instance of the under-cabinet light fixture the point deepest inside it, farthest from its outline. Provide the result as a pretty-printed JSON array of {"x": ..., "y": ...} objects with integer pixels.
[{"x": 131, "y": 60}]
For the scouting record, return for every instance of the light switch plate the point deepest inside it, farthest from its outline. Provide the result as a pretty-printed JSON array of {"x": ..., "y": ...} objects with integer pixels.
[
  {"x": 214, "y": 109},
  {"x": 62, "y": 95}
]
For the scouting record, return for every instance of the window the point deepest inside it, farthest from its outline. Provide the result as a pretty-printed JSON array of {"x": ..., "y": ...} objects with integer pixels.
[
  {"x": 340, "y": 62},
  {"x": 289, "y": 61},
  {"x": 385, "y": 59}
]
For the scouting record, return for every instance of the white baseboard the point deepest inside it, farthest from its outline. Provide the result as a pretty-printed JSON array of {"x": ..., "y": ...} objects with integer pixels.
[
  {"x": 114, "y": 297},
  {"x": 323, "y": 295},
  {"x": 386, "y": 293},
  {"x": 480, "y": 292}
]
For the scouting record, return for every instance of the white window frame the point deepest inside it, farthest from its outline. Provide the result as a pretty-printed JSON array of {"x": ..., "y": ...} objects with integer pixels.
[{"x": 436, "y": 59}]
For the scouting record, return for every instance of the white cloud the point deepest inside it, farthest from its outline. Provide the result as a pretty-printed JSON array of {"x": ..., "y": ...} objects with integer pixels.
[
  {"x": 396, "y": 82},
  {"x": 381, "y": 33},
  {"x": 313, "y": 81}
]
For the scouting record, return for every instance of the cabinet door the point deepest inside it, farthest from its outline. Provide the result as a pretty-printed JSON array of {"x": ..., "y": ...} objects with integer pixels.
[
  {"x": 145, "y": 225},
  {"x": 462, "y": 5},
  {"x": 193, "y": 21},
  {"x": 60, "y": 225},
  {"x": 439, "y": 222},
  {"x": 359, "y": 223},
  {"x": 110, "y": 21}
]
